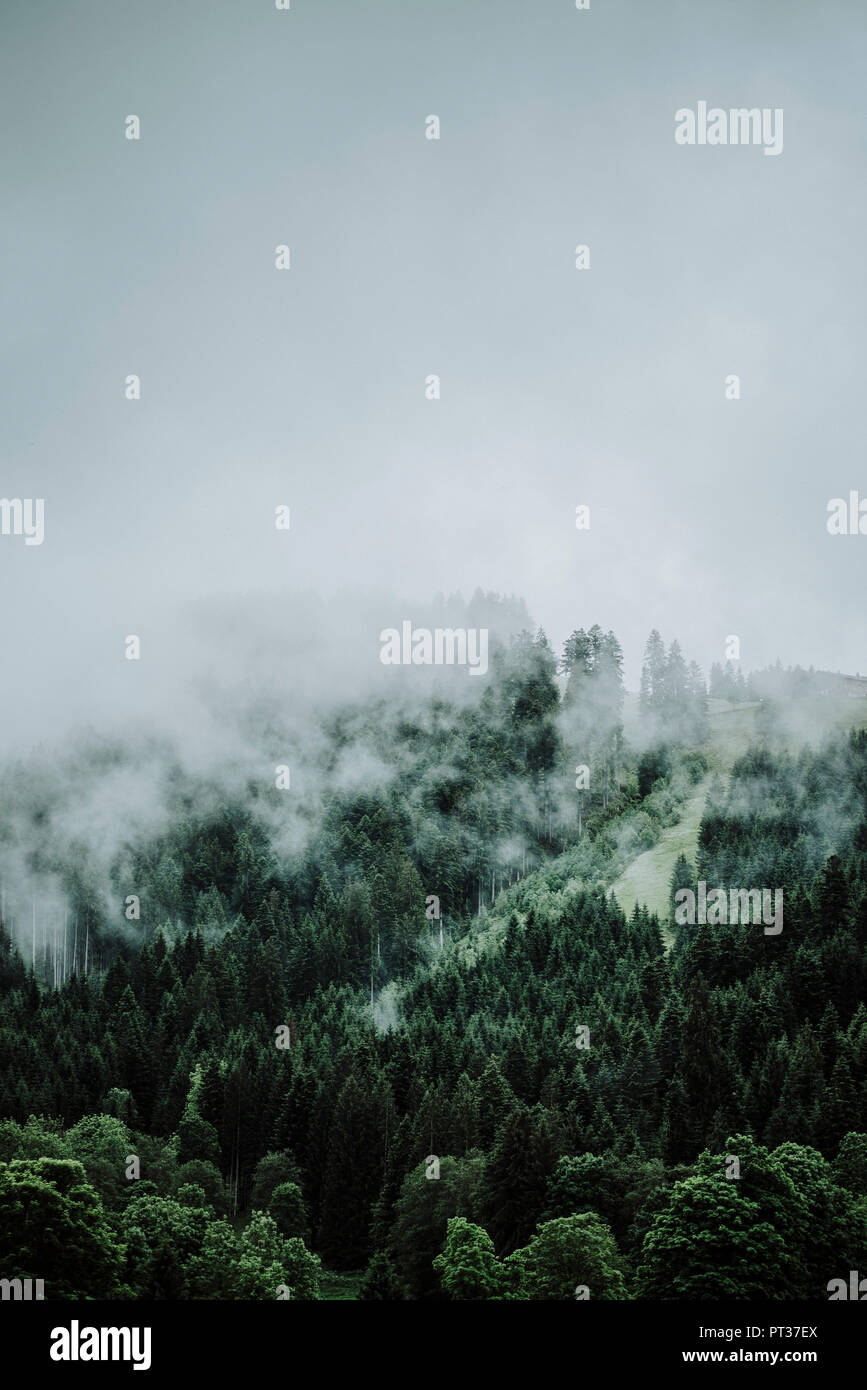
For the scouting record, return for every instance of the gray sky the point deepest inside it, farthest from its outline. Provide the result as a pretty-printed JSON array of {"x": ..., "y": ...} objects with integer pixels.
[{"x": 410, "y": 257}]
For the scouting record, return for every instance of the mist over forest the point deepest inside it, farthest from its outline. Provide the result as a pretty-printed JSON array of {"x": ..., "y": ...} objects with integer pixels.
[
  {"x": 243, "y": 688},
  {"x": 338, "y": 953}
]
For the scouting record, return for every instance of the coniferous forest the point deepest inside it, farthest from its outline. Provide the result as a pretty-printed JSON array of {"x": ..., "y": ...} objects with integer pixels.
[{"x": 417, "y": 1049}]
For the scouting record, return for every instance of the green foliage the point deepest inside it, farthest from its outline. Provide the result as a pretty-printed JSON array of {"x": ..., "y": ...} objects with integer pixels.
[
  {"x": 564, "y": 1254},
  {"x": 516, "y": 1177},
  {"x": 181, "y": 1250},
  {"x": 710, "y": 1244},
  {"x": 422, "y": 1214},
  {"x": 289, "y": 1212},
  {"x": 468, "y": 1266},
  {"x": 381, "y": 1283},
  {"x": 272, "y": 1170},
  {"x": 773, "y": 1232},
  {"x": 198, "y": 1140},
  {"x": 850, "y": 1166},
  {"x": 101, "y": 1143},
  {"x": 54, "y": 1228}
]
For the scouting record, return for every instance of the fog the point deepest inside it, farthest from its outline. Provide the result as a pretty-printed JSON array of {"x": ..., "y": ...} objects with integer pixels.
[
  {"x": 410, "y": 256},
  {"x": 308, "y": 388}
]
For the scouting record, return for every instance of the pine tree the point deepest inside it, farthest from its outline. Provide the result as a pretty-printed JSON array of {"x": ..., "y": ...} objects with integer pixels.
[
  {"x": 516, "y": 1178},
  {"x": 353, "y": 1176}
]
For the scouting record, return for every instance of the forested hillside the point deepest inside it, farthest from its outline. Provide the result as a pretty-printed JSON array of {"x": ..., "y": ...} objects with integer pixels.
[{"x": 418, "y": 1043}]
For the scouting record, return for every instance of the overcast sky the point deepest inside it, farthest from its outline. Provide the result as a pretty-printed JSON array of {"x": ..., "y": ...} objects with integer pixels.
[{"x": 409, "y": 257}]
